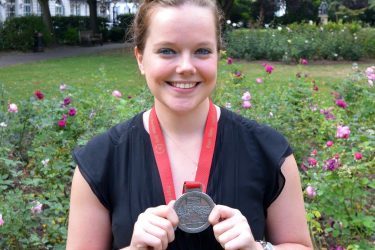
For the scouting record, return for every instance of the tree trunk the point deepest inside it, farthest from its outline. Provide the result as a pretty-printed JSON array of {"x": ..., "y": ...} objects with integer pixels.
[
  {"x": 93, "y": 15},
  {"x": 261, "y": 16},
  {"x": 226, "y": 6},
  {"x": 46, "y": 15}
]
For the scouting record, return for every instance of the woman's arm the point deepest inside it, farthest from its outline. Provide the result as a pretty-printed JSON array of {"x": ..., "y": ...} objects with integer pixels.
[
  {"x": 89, "y": 221},
  {"x": 286, "y": 221}
]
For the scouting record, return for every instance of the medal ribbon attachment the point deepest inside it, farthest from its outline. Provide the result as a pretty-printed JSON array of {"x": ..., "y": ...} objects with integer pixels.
[{"x": 162, "y": 159}]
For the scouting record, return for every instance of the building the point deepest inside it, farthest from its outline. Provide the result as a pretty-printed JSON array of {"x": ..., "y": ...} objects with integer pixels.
[{"x": 106, "y": 8}]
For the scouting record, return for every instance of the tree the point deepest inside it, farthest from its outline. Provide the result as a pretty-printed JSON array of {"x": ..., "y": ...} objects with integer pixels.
[
  {"x": 46, "y": 15},
  {"x": 93, "y": 15},
  {"x": 226, "y": 6}
]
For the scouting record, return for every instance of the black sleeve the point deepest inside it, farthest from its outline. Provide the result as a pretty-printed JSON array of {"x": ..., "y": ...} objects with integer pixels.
[
  {"x": 94, "y": 161},
  {"x": 276, "y": 148}
]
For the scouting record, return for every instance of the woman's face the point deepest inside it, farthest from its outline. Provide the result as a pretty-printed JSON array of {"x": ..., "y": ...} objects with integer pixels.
[{"x": 180, "y": 57}]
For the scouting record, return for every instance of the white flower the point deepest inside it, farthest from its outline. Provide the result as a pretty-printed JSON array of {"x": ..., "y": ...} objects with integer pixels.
[
  {"x": 12, "y": 108},
  {"x": 311, "y": 22},
  {"x": 234, "y": 25},
  {"x": 279, "y": 28},
  {"x": 306, "y": 41},
  {"x": 62, "y": 87},
  {"x": 3, "y": 125},
  {"x": 37, "y": 207},
  {"x": 228, "y": 105},
  {"x": 229, "y": 21},
  {"x": 246, "y": 96},
  {"x": 271, "y": 114},
  {"x": 289, "y": 41},
  {"x": 45, "y": 162}
]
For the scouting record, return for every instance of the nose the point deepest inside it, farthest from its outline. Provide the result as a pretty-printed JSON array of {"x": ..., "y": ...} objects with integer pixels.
[{"x": 186, "y": 65}]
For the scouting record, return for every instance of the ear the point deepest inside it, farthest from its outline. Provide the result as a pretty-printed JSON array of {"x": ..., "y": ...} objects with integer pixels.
[{"x": 139, "y": 57}]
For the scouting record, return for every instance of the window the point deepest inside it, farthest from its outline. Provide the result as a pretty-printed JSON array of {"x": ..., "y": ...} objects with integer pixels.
[
  {"x": 59, "y": 8},
  {"x": 27, "y": 7},
  {"x": 75, "y": 8},
  {"x": 11, "y": 8}
]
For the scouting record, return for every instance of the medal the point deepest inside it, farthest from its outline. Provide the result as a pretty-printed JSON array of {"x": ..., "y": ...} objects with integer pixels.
[
  {"x": 193, "y": 209},
  {"x": 194, "y": 206}
]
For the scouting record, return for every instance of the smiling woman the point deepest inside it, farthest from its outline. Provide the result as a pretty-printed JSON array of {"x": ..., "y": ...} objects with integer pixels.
[{"x": 128, "y": 178}]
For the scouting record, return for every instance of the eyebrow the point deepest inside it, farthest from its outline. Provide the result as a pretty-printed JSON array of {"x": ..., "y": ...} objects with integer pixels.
[{"x": 201, "y": 44}]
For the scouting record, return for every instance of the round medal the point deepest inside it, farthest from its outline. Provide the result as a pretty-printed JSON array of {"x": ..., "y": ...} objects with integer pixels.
[{"x": 193, "y": 209}]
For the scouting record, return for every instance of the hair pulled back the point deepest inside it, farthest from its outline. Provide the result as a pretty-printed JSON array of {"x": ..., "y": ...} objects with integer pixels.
[{"x": 142, "y": 18}]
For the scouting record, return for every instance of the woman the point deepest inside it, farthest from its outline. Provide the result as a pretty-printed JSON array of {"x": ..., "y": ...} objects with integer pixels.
[{"x": 127, "y": 179}]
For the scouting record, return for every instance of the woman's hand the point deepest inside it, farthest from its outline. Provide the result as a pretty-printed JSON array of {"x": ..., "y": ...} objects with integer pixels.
[
  {"x": 231, "y": 228},
  {"x": 154, "y": 228}
]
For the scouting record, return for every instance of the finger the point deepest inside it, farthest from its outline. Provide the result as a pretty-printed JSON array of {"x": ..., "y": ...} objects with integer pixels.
[
  {"x": 163, "y": 224},
  {"x": 159, "y": 233},
  {"x": 219, "y": 213},
  {"x": 228, "y": 235},
  {"x": 225, "y": 225},
  {"x": 150, "y": 241},
  {"x": 242, "y": 241}
]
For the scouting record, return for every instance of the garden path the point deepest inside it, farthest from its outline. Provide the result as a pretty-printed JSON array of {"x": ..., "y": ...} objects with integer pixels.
[{"x": 12, "y": 58}]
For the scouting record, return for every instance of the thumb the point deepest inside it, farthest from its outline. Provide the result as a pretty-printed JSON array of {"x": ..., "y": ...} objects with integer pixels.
[{"x": 172, "y": 215}]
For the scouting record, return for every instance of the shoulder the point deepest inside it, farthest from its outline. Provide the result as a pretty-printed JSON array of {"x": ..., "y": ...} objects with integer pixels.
[
  {"x": 236, "y": 121},
  {"x": 266, "y": 139},
  {"x": 115, "y": 135}
]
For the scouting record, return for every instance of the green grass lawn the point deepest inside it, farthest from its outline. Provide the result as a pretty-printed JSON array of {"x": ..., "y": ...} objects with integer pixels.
[{"x": 118, "y": 70}]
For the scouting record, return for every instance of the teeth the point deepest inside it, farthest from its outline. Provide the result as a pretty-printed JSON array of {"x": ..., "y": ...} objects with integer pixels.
[{"x": 183, "y": 85}]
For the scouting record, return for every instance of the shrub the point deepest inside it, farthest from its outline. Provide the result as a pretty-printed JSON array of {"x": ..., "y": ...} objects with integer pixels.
[
  {"x": 18, "y": 33},
  {"x": 333, "y": 41}
]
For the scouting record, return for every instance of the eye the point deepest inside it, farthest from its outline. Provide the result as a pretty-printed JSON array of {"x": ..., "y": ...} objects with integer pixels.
[
  {"x": 203, "y": 51},
  {"x": 166, "y": 51}
]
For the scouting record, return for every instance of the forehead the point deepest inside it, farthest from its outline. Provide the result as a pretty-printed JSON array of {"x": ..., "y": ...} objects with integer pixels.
[{"x": 185, "y": 22}]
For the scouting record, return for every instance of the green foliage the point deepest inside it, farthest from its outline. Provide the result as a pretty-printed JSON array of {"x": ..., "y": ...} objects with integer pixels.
[
  {"x": 117, "y": 34},
  {"x": 66, "y": 28},
  {"x": 18, "y": 33},
  {"x": 124, "y": 22},
  {"x": 341, "y": 212},
  {"x": 333, "y": 42},
  {"x": 36, "y": 165}
]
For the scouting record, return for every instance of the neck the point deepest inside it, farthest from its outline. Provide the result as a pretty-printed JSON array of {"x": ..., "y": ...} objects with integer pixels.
[{"x": 181, "y": 124}]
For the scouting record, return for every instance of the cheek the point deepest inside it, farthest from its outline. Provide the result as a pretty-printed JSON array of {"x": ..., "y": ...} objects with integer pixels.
[{"x": 209, "y": 70}]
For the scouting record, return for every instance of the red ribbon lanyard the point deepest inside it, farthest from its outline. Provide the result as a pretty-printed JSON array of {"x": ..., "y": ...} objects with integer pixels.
[{"x": 161, "y": 155}]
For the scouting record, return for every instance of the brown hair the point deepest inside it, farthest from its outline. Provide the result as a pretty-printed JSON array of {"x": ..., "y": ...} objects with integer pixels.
[{"x": 141, "y": 20}]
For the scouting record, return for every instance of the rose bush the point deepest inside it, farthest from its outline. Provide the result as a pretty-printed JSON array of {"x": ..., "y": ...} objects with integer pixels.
[{"x": 330, "y": 130}]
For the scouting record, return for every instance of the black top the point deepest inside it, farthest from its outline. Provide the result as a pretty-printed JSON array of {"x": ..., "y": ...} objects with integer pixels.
[{"x": 120, "y": 168}]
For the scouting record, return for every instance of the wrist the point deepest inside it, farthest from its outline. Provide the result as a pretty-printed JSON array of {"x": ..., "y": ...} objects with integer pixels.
[{"x": 265, "y": 245}]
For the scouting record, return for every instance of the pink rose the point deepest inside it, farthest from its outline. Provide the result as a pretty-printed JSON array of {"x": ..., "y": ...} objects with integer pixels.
[
  {"x": 246, "y": 104},
  {"x": 311, "y": 192},
  {"x": 62, "y": 123},
  {"x": 303, "y": 61},
  {"x": 72, "y": 112},
  {"x": 358, "y": 156},
  {"x": 229, "y": 60},
  {"x": 259, "y": 80},
  {"x": 116, "y": 93},
  {"x": 1, "y": 220},
  {"x": 246, "y": 96},
  {"x": 269, "y": 68},
  {"x": 343, "y": 132},
  {"x": 312, "y": 161},
  {"x": 12, "y": 108},
  {"x": 329, "y": 143},
  {"x": 341, "y": 103}
]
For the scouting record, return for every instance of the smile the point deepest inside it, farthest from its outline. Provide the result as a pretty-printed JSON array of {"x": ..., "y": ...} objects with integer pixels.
[{"x": 183, "y": 85}]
